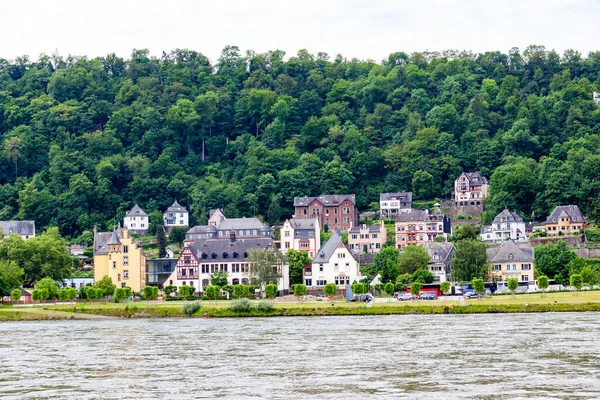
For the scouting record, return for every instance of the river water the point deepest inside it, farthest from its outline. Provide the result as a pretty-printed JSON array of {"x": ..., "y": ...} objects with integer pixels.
[{"x": 555, "y": 355}]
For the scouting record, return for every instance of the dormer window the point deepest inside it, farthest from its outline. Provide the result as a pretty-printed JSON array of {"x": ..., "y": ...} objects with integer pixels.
[
  {"x": 224, "y": 254},
  {"x": 511, "y": 256},
  {"x": 245, "y": 254},
  {"x": 235, "y": 254},
  {"x": 214, "y": 255},
  {"x": 204, "y": 256}
]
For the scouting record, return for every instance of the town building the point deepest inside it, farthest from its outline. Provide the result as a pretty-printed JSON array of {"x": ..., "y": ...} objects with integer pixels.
[
  {"x": 336, "y": 211},
  {"x": 158, "y": 270},
  {"x": 367, "y": 238},
  {"x": 565, "y": 220},
  {"x": 203, "y": 257},
  {"x": 215, "y": 217},
  {"x": 334, "y": 263},
  {"x": 226, "y": 228},
  {"x": 440, "y": 258},
  {"x": 596, "y": 97},
  {"x": 419, "y": 227},
  {"x": 136, "y": 220},
  {"x": 76, "y": 283},
  {"x": 76, "y": 250},
  {"x": 301, "y": 235},
  {"x": 391, "y": 204},
  {"x": 507, "y": 225},
  {"x": 25, "y": 229},
  {"x": 176, "y": 215},
  {"x": 120, "y": 257},
  {"x": 511, "y": 261},
  {"x": 470, "y": 188}
]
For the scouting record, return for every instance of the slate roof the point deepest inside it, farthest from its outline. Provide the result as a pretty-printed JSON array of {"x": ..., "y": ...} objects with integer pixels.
[
  {"x": 372, "y": 228},
  {"x": 136, "y": 211},
  {"x": 402, "y": 196},
  {"x": 571, "y": 211},
  {"x": 445, "y": 251},
  {"x": 18, "y": 227},
  {"x": 507, "y": 216},
  {"x": 241, "y": 223},
  {"x": 325, "y": 199},
  {"x": 300, "y": 223},
  {"x": 325, "y": 252},
  {"x": 198, "y": 229},
  {"x": 503, "y": 254},
  {"x": 475, "y": 177},
  {"x": 214, "y": 210},
  {"x": 100, "y": 245},
  {"x": 114, "y": 238},
  {"x": 176, "y": 207},
  {"x": 224, "y": 249}
]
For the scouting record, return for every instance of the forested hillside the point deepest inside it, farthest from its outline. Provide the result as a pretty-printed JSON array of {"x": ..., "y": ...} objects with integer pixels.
[{"x": 83, "y": 139}]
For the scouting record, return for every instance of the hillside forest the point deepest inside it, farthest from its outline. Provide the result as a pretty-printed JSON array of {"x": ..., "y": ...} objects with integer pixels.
[{"x": 82, "y": 140}]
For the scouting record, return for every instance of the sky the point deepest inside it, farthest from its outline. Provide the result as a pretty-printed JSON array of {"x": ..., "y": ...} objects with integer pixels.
[{"x": 364, "y": 29}]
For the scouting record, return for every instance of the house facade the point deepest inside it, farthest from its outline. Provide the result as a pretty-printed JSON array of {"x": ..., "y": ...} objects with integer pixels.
[
  {"x": 203, "y": 257},
  {"x": 440, "y": 258},
  {"x": 229, "y": 228},
  {"x": 337, "y": 211},
  {"x": 118, "y": 256},
  {"x": 565, "y": 220},
  {"x": 420, "y": 227},
  {"x": 507, "y": 225},
  {"x": 301, "y": 235},
  {"x": 470, "y": 188},
  {"x": 25, "y": 229},
  {"x": 215, "y": 217},
  {"x": 512, "y": 261},
  {"x": 367, "y": 239},
  {"x": 391, "y": 204},
  {"x": 136, "y": 220},
  {"x": 176, "y": 215},
  {"x": 334, "y": 263}
]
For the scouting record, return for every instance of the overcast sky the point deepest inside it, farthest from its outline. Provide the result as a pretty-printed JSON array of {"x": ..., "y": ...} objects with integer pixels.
[{"x": 355, "y": 28}]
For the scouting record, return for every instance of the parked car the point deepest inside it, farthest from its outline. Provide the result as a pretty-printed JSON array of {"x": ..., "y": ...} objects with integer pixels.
[
  {"x": 470, "y": 295},
  {"x": 427, "y": 296},
  {"x": 363, "y": 298},
  {"x": 406, "y": 297}
]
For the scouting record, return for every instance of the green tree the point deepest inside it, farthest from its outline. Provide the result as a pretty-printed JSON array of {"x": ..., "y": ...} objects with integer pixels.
[
  {"x": 185, "y": 291},
  {"x": 415, "y": 288},
  {"x": 177, "y": 235},
  {"x": 403, "y": 281},
  {"x": 422, "y": 275},
  {"x": 479, "y": 286},
  {"x": 552, "y": 260},
  {"x": 470, "y": 261},
  {"x": 389, "y": 288},
  {"x": 330, "y": 290},
  {"x": 386, "y": 263},
  {"x": 297, "y": 260},
  {"x": 445, "y": 287},
  {"x": 218, "y": 278},
  {"x": 169, "y": 289},
  {"x": 576, "y": 281},
  {"x": 513, "y": 284},
  {"x": 15, "y": 295},
  {"x": 212, "y": 292},
  {"x": 150, "y": 292},
  {"x": 412, "y": 258},
  {"x": 106, "y": 286},
  {"x": 299, "y": 290},
  {"x": 40, "y": 295},
  {"x": 263, "y": 266},
  {"x": 93, "y": 293},
  {"x": 11, "y": 276},
  {"x": 542, "y": 282},
  {"x": 14, "y": 147},
  {"x": 161, "y": 241},
  {"x": 359, "y": 288},
  {"x": 50, "y": 286},
  {"x": 241, "y": 291}
]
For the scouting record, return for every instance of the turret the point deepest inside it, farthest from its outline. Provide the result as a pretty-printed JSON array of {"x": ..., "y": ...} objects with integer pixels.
[{"x": 114, "y": 243}]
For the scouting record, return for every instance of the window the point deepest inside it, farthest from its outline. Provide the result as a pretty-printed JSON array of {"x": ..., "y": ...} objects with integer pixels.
[
  {"x": 287, "y": 245},
  {"x": 308, "y": 282},
  {"x": 321, "y": 282},
  {"x": 341, "y": 255},
  {"x": 114, "y": 264},
  {"x": 374, "y": 236},
  {"x": 526, "y": 267},
  {"x": 347, "y": 267},
  {"x": 125, "y": 274},
  {"x": 118, "y": 277},
  {"x": 183, "y": 271},
  {"x": 125, "y": 260},
  {"x": 508, "y": 267},
  {"x": 286, "y": 233},
  {"x": 320, "y": 267},
  {"x": 125, "y": 249},
  {"x": 354, "y": 236},
  {"x": 497, "y": 267},
  {"x": 525, "y": 278},
  {"x": 336, "y": 268},
  {"x": 184, "y": 283},
  {"x": 205, "y": 268},
  {"x": 187, "y": 259}
]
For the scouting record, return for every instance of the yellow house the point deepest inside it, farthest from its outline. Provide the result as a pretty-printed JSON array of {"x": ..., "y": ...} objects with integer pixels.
[
  {"x": 512, "y": 261},
  {"x": 119, "y": 256},
  {"x": 565, "y": 220}
]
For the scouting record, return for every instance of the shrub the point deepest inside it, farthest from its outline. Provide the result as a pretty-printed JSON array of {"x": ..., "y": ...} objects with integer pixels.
[
  {"x": 40, "y": 294},
  {"x": 191, "y": 308},
  {"x": 265, "y": 306},
  {"x": 241, "y": 306},
  {"x": 15, "y": 295},
  {"x": 228, "y": 289},
  {"x": 300, "y": 289},
  {"x": 212, "y": 292},
  {"x": 389, "y": 288},
  {"x": 445, "y": 286},
  {"x": 150, "y": 292},
  {"x": 271, "y": 291},
  {"x": 240, "y": 291},
  {"x": 330, "y": 289},
  {"x": 252, "y": 289},
  {"x": 185, "y": 291},
  {"x": 415, "y": 288}
]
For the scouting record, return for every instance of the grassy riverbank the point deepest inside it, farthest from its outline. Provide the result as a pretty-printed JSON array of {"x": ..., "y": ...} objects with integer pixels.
[{"x": 525, "y": 303}]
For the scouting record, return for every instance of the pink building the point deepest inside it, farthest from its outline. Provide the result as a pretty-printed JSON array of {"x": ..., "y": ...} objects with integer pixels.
[
  {"x": 367, "y": 239},
  {"x": 470, "y": 188}
]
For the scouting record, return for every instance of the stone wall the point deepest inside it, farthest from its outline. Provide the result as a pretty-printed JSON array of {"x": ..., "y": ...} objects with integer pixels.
[{"x": 453, "y": 211}]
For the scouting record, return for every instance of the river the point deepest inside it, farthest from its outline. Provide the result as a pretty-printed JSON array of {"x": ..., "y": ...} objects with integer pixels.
[{"x": 493, "y": 356}]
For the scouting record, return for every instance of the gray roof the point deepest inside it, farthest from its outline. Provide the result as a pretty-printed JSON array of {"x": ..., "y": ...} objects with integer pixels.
[
  {"x": 100, "y": 245},
  {"x": 508, "y": 216},
  {"x": 402, "y": 196},
  {"x": 198, "y": 229},
  {"x": 303, "y": 223},
  {"x": 510, "y": 252},
  {"x": 18, "y": 227},
  {"x": 241, "y": 223},
  {"x": 136, "y": 211},
  {"x": 475, "y": 177},
  {"x": 224, "y": 249},
  {"x": 571, "y": 211},
  {"x": 325, "y": 252},
  {"x": 214, "y": 210},
  {"x": 372, "y": 228},
  {"x": 176, "y": 207},
  {"x": 445, "y": 251},
  {"x": 114, "y": 238},
  {"x": 325, "y": 199}
]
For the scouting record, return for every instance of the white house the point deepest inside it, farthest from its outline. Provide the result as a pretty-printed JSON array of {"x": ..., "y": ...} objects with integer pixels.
[
  {"x": 334, "y": 263},
  {"x": 176, "y": 215},
  {"x": 440, "y": 258},
  {"x": 507, "y": 225},
  {"x": 301, "y": 235},
  {"x": 391, "y": 204},
  {"x": 25, "y": 229},
  {"x": 136, "y": 220},
  {"x": 203, "y": 257}
]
